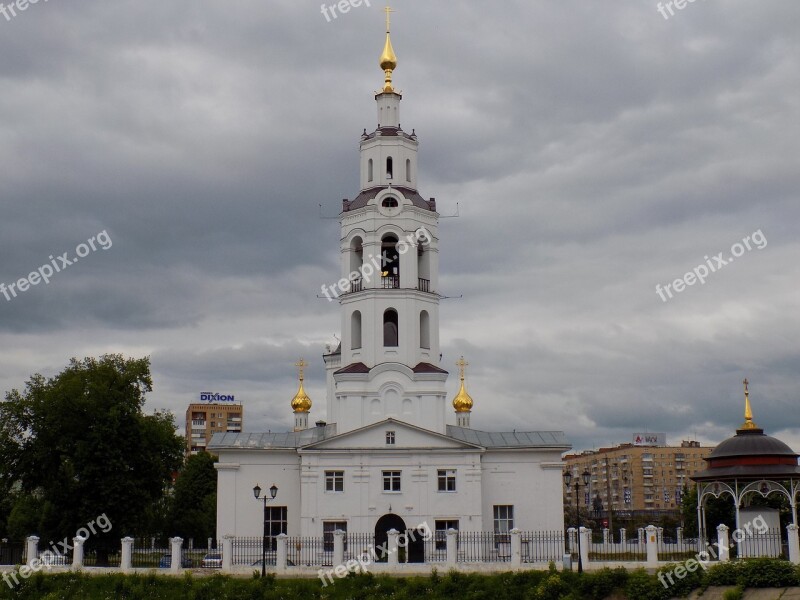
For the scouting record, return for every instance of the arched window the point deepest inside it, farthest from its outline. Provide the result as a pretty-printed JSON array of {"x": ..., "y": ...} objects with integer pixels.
[
  {"x": 355, "y": 331},
  {"x": 423, "y": 268},
  {"x": 424, "y": 330},
  {"x": 389, "y": 203},
  {"x": 389, "y": 170},
  {"x": 369, "y": 170},
  {"x": 356, "y": 254},
  {"x": 390, "y": 262},
  {"x": 408, "y": 169},
  {"x": 390, "y": 328}
]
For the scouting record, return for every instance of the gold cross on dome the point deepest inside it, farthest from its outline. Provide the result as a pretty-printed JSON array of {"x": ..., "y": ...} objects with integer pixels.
[
  {"x": 462, "y": 364},
  {"x": 745, "y": 382},
  {"x": 388, "y": 10},
  {"x": 300, "y": 364}
]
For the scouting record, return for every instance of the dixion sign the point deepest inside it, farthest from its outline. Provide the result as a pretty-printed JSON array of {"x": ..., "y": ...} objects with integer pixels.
[{"x": 214, "y": 397}]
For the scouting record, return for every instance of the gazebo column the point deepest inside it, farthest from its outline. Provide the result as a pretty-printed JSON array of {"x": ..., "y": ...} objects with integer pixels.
[
  {"x": 794, "y": 487},
  {"x": 738, "y": 503}
]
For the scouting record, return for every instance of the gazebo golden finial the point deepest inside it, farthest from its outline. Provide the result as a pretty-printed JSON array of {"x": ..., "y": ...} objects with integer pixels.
[{"x": 748, "y": 412}]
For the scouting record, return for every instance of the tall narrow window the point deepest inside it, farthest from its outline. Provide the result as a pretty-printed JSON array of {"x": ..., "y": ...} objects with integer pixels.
[
  {"x": 369, "y": 170},
  {"x": 390, "y": 262},
  {"x": 424, "y": 330},
  {"x": 503, "y": 518},
  {"x": 389, "y": 169},
  {"x": 275, "y": 521},
  {"x": 390, "y": 328},
  {"x": 355, "y": 330},
  {"x": 408, "y": 169}
]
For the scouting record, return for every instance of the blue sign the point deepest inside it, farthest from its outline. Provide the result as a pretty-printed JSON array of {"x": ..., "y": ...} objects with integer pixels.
[{"x": 214, "y": 397}]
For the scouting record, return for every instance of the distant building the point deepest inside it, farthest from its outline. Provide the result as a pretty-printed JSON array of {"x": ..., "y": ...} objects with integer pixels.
[
  {"x": 631, "y": 477},
  {"x": 204, "y": 419}
]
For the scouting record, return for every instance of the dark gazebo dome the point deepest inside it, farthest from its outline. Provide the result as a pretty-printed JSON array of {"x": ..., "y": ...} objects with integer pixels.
[{"x": 753, "y": 443}]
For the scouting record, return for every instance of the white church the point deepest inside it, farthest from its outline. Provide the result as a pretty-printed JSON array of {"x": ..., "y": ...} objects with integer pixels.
[{"x": 390, "y": 453}]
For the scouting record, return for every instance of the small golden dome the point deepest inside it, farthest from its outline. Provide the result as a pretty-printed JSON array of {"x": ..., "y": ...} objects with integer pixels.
[
  {"x": 301, "y": 402},
  {"x": 463, "y": 401}
]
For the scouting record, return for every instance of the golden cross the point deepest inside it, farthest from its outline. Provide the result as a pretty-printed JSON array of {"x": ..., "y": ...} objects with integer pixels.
[
  {"x": 745, "y": 382},
  {"x": 388, "y": 12},
  {"x": 301, "y": 364},
  {"x": 461, "y": 364}
]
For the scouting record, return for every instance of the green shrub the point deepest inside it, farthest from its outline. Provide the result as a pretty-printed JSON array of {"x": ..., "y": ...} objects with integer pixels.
[
  {"x": 642, "y": 585},
  {"x": 736, "y": 593}
]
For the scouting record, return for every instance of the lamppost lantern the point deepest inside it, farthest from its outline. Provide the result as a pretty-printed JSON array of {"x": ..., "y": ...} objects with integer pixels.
[
  {"x": 273, "y": 491},
  {"x": 567, "y": 478},
  {"x": 586, "y": 476}
]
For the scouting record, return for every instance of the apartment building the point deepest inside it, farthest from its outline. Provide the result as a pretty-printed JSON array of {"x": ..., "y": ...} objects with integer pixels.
[
  {"x": 632, "y": 477},
  {"x": 204, "y": 419}
]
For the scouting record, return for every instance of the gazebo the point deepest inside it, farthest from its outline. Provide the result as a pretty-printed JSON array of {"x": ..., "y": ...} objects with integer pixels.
[{"x": 746, "y": 464}]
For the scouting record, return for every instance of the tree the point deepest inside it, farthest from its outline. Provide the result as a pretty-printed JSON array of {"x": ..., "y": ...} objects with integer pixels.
[
  {"x": 81, "y": 445},
  {"x": 194, "y": 505}
]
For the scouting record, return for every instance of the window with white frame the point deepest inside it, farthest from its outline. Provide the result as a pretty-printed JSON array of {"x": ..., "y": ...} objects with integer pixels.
[
  {"x": 328, "y": 527},
  {"x": 440, "y": 533},
  {"x": 391, "y": 481},
  {"x": 390, "y": 438},
  {"x": 447, "y": 480},
  {"x": 334, "y": 481},
  {"x": 503, "y": 518}
]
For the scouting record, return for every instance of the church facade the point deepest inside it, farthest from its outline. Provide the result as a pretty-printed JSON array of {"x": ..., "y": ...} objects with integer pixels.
[{"x": 390, "y": 453}]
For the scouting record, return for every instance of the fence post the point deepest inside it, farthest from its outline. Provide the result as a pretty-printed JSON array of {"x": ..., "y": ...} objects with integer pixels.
[
  {"x": 282, "y": 552},
  {"x": 642, "y": 537},
  {"x": 452, "y": 546},
  {"x": 605, "y": 536},
  {"x": 393, "y": 557},
  {"x": 660, "y": 534},
  {"x": 586, "y": 537},
  {"x": 622, "y": 535},
  {"x": 571, "y": 540},
  {"x": 126, "y": 562},
  {"x": 77, "y": 552},
  {"x": 679, "y": 537},
  {"x": 723, "y": 544},
  {"x": 652, "y": 545},
  {"x": 338, "y": 547},
  {"x": 209, "y": 544},
  {"x": 177, "y": 546},
  {"x": 32, "y": 548},
  {"x": 794, "y": 544},
  {"x": 227, "y": 553},
  {"x": 516, "y": 547}
]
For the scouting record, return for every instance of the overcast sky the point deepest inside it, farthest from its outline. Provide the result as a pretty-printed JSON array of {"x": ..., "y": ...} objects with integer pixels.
[{"x": 595, "y": 150}]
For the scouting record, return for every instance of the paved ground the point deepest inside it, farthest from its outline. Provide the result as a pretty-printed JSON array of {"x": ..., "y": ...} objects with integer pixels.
[{"x": 717, "y": 593}]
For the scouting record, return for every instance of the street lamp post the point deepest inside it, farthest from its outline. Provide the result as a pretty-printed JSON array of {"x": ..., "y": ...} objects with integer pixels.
[
  {"x": 273, "y": 491},
  {"x": 567, "y": 480}
]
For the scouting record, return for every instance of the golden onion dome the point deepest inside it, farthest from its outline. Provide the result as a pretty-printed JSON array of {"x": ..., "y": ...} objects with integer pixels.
[
  {"x": 463, "y": 401},
  {"x": 301, "y": 402}
]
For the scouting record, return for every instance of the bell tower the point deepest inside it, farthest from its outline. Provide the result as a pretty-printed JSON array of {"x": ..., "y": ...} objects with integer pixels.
[{"x": 388, "y": 361}]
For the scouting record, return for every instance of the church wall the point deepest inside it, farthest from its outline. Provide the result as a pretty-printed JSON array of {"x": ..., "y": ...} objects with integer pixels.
[
  {"x": 363, "y": 500},
  {"x": 238, "y": 512},
  {"x": 519, "y": 479}
]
